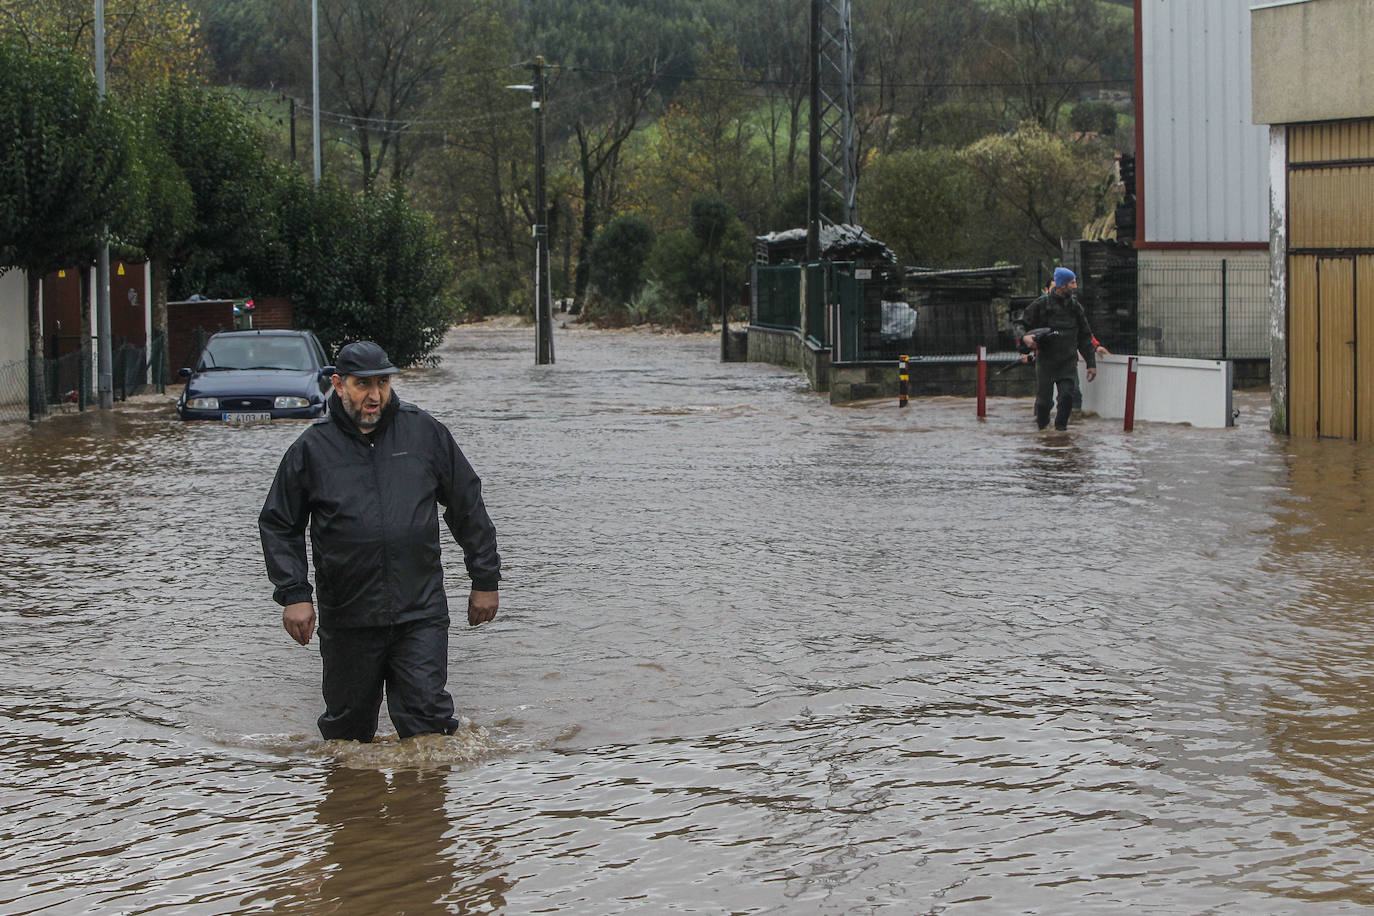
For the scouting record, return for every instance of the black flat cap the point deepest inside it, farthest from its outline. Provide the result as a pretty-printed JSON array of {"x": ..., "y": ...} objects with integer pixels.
[{"x": 364, "y": 358}]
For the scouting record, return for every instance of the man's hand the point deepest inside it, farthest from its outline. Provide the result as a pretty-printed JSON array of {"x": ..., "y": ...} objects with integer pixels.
[
  {"x": 1092, "y": 373},
  {"x": 299, "y": 621},
  {"x": 482, "y": 607}
]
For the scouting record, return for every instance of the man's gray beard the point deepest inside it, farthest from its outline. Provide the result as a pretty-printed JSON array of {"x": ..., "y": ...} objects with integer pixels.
[{"x": 356, "y": 415}]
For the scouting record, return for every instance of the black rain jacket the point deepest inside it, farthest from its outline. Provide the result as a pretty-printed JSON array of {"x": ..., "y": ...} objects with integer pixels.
[
  {"x": 1058, "y": 355},
  {"x": 371, "y": 502}
]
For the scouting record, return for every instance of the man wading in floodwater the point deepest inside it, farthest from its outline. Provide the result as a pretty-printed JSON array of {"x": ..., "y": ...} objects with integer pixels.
[
  {"x": 368, "y": 479},
  {"x": 1056, "y": 357}
]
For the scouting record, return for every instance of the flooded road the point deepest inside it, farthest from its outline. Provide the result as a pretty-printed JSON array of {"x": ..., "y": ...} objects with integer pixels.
[{"x": 756, "y": 654}]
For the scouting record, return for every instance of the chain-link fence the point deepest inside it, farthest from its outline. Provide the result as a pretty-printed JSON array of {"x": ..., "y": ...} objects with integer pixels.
[
  {"x": 14, "y": 390},
  {"x": 64, "y": 382}
]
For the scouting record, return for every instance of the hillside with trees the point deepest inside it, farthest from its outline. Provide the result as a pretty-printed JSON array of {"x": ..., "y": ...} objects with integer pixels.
[{"x": 676, "y": 132}]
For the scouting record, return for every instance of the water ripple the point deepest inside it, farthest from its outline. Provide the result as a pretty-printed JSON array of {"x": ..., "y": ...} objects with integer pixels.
[{"x": 756, "y": 654}]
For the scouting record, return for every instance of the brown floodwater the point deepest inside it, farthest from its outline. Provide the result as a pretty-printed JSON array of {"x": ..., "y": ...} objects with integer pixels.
[{"x": 756, "y": 654}]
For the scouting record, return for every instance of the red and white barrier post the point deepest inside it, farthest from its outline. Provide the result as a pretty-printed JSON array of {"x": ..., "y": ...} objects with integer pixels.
[
  {"x": 982, "y": 382},
  {"x": 1129, "y": 423}
]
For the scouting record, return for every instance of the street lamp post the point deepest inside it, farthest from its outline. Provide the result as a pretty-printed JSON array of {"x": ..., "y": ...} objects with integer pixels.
[
  {"x": 315, "y": 85},
  {"x": 543, "y": 300},
  {"x": 104, "y": 348}
]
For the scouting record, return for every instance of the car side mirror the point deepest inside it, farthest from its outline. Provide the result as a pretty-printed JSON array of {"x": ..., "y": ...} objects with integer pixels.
[
  {"x": 327, "y": 371},
  {"x": 184, "y": 372}
]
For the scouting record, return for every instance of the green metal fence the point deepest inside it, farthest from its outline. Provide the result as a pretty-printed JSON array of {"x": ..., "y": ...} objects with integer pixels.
[
  {"x": 816, "y": 330},
  {"x": 777, "y": 302}
]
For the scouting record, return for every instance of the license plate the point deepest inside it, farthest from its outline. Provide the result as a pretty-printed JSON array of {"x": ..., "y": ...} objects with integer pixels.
[{"x": 244, "y": 416}]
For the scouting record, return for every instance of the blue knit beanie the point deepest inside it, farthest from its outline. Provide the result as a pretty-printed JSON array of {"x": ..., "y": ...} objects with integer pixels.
[{"x": 1062, "y": 277}]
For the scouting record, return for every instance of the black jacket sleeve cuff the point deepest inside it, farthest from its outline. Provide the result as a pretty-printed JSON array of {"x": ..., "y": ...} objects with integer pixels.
[{"x": 294, "y": 595}]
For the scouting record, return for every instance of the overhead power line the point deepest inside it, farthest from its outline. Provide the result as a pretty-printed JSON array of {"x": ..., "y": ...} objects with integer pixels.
[
  {"x": 440, "y": 126},
  {"x": 746, "y": 81}
]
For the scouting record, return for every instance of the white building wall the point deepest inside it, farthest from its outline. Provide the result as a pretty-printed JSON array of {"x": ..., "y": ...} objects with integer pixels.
[
  {"x": 14, "y": 316},
  {"x": 14, "y": 342},
  {"x": 1203, "y": 164}
]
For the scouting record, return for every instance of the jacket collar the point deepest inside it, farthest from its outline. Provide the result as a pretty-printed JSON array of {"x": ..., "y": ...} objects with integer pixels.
[{"x": 345, "y": 422}]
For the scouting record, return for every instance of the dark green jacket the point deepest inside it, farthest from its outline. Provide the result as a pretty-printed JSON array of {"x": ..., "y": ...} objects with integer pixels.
[
  {"x": 1064, "y": 313},
  {"x": 372, "y": 507}
]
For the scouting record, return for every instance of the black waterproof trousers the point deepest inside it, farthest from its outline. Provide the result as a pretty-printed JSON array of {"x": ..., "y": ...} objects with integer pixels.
[
  {"x": 1046, "y": 387},
  {"x": 410, "y": 660}
]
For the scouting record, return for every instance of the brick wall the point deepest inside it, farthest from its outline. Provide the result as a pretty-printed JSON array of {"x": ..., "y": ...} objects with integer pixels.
[
  {"x": 184, "y": 318},
  {"x": 272, "y": 312}
]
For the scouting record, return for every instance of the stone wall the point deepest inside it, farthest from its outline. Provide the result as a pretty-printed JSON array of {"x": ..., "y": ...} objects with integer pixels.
[{"x": 780, "y": 348}]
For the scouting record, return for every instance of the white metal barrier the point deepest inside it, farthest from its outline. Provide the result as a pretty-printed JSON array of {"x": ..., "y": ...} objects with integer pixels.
[{"x": 1168, "y": 390}]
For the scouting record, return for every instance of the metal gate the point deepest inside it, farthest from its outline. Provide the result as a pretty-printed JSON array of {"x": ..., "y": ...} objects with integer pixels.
[{"x": 1331, "y": 280}]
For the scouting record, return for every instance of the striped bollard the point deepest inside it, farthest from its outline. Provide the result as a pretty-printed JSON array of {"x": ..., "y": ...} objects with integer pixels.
[
  {"x": 902, "y": 381},
  {"x": 982, "y": 382},
  {"x": 1129, "y": 423}
]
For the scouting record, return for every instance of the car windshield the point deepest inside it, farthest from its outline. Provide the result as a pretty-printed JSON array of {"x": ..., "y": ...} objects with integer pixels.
[{"x": 253, "y": 352}]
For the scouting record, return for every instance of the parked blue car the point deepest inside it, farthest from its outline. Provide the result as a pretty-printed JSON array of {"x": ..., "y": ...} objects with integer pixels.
[{"x": 248, "y": 376}]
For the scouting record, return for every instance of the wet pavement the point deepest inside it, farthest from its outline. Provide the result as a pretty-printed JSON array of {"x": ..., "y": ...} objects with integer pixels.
[{"x": 756, "y": 654}]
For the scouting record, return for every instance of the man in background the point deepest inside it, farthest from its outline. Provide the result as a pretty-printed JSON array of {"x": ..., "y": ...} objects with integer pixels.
[{"x": 1056, "y": 360}]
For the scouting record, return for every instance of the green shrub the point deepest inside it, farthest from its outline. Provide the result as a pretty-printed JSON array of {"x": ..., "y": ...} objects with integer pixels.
[{"x": 617, "y": 258}]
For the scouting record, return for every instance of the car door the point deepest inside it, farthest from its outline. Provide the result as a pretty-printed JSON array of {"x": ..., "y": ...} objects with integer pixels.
[{"x": 322, "y": 362}]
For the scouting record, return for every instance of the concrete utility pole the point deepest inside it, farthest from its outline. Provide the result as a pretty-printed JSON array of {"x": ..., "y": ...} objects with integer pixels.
[
  {"x": 543, "y": 300},
  {"x": 105, "y": 354}
]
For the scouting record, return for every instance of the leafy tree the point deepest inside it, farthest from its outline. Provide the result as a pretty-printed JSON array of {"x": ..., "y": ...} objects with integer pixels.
[
  {"x": 1043, "y": 188},
  {"x": 911, "y": 58},
  {"x": 219, "y": 152},
  {"x": 773, "y": 39},
  {"x": 710, "y": 218},
  {"x": 1095, "y": 117},
  {"x": 706, "y": 143},
  {"x": 65, "y": 168},
  {"x": 952, "y": 125},
  {"x": 614, "y": 57},
  {"x": 479, "y": 181},
  {"x": 687, "y": 268},
  {"x": 169, "y": 211},
  {"x": 362, "y": 266},
  {"x": 251, "y": 43},
  {"x": 920, "y": 203},
  {"x": 383, "y": 62},
  {"x": 618, "y": 256},
  {"x": 677, "y": 271},
  {"x": 147, "y": 42},
  {"x": 1045, "y": 50},
  {"x": 402, "y": 280}
]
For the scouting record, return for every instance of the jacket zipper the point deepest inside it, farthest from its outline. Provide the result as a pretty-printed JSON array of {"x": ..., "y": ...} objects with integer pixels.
[{"x": 381, "y": 515}]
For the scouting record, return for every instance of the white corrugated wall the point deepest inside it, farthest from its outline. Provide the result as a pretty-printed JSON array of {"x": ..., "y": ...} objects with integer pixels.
[{"x": 1203, "y": 165}]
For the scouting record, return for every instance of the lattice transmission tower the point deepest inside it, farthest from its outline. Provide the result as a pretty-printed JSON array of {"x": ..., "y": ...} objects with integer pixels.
[
  {"x": 836, "y": 109},
  {"x": 834, "y": 163}
]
